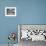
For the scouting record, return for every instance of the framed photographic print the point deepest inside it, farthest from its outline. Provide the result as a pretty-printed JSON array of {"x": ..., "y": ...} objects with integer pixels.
[{"x": 10, "y": 11}]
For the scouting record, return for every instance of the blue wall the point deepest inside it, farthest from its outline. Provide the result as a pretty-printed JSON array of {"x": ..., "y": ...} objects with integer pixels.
[{"x": 28, "y": 12}]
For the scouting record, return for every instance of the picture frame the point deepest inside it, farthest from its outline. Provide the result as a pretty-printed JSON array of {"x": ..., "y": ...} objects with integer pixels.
[{"x": 10, "y": 11}]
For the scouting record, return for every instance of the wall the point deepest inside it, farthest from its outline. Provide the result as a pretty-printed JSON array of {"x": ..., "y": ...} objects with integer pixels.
[{"x": 28, "y": 12}]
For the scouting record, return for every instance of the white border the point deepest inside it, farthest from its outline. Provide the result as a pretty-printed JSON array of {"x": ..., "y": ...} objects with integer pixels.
[
  {"x": 18, "y": 33},
  {"x": 10, "y": 8}
]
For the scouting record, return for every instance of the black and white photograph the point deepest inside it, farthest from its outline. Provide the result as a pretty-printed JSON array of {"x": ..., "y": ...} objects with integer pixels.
[{"x": 10, "y": 11}]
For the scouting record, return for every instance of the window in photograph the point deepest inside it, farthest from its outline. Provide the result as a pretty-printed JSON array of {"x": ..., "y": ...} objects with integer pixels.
[{"x": 10, "y": 11}]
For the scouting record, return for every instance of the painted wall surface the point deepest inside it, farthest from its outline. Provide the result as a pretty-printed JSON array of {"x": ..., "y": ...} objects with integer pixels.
[{"x": 28, "y": 12}]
